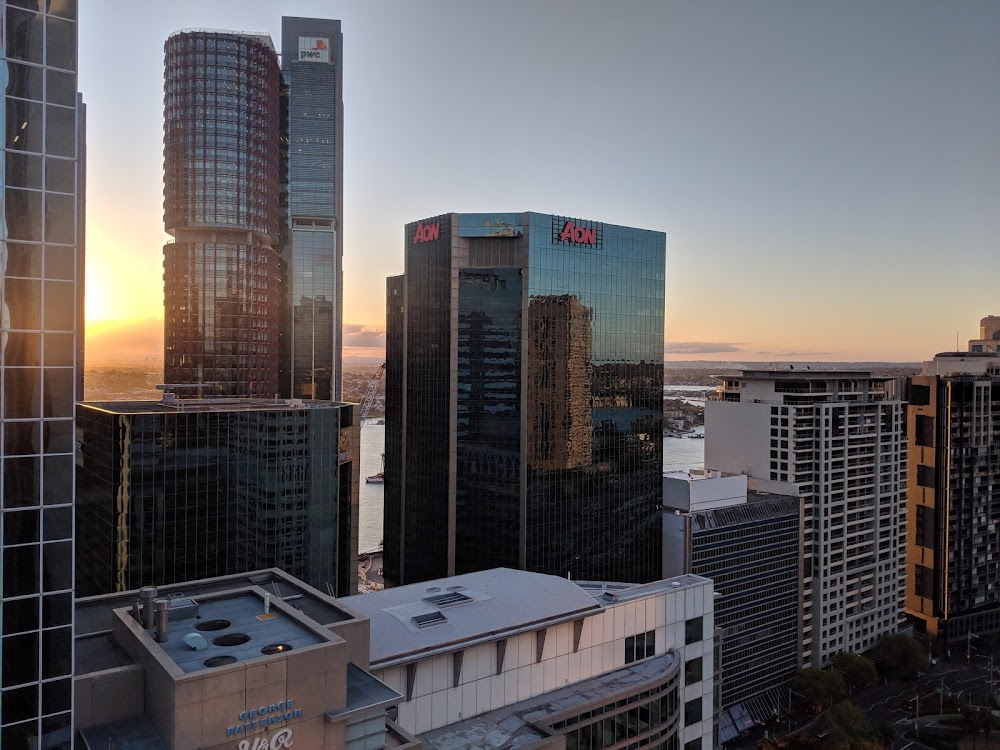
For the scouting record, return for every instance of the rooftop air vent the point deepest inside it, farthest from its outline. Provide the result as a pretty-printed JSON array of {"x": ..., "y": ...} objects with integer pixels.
[
  {"x": 212, "y": 625},
  {"x": 448, "y": 600},
  {"x": 426, "y": 621},
  {"x": 231, "y": 639},
  {"x": 220, "y": 661},
  {"x": 276, "y": 648}
]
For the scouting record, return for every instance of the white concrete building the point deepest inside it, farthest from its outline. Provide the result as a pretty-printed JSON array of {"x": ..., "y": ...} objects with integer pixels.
[
  {"x": 505, "y": 656},
  {"x": 835, "y": 439}
]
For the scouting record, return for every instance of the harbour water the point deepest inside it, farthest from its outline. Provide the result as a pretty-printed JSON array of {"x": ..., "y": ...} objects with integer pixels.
[{"x": 678, "y": 454}]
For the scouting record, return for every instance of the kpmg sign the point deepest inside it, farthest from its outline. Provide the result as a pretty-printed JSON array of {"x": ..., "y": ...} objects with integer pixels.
[{"x": 314, "y": 49}]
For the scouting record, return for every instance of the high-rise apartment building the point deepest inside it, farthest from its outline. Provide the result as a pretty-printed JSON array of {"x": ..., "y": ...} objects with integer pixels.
[
  {"x": 989, "y": 335},
  {"x": 952, "y": 547},
  {"x": 253, "y": 175},
  {"x": 185, "y": 489},
  {"x": 836, "y": 440},
  {"x": 312, "y": 182},
  {"x": 524, "y": 385},
  {"x": 222, "y": 272},
  {"x": 40, "y": 351}
]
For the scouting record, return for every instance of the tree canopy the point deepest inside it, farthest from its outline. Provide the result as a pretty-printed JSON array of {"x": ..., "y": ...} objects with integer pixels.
[
  {"x": 857, "y": 671},
  {"x": 819, "y": 687},
  {"x": 897, "y": 655}
]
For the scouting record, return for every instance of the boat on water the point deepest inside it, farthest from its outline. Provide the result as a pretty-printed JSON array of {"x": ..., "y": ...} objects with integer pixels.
[{"x": 377, "y": 478}]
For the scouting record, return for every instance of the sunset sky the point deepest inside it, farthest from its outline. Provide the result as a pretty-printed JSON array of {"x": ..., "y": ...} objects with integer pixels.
[{"x": 827, "y": 173}]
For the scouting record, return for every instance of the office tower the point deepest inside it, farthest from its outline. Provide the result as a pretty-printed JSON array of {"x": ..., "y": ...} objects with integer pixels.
[
  {"x": 836, "y": 440},
  {"x": 524, "y": 387},
  {"x": 989, "y": 335},
  {"x": 222, "y": 272},
  {"x": 313, "y": 197},
  {"x": 185, "y": 489},
  {"x": 953, "y": 427},
  {"x": 750, "y": 544},
  {"x": 39, "y": 345}
]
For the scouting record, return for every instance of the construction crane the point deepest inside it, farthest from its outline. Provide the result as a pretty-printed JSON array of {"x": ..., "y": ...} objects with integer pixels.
[{"x": 366, "y": 405}]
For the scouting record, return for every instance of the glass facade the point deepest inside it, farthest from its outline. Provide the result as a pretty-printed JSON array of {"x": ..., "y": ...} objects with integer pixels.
[
  {"x": 167, "y": 494},
  {"x": 222, "y": 275},
  {"x": 40, "y": 328},
  {"x": 532, "y": 357},
  {"x": 312, "y": 195}
]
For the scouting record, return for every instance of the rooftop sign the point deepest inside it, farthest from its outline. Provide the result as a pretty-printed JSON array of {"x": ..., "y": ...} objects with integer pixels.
[{"x": 314, "y": 49}]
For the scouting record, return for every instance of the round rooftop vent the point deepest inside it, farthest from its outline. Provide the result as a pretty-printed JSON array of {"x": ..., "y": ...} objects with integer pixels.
[
  {"x": 276, "y": 648},
  {"x": 456, "y": 588},
  {"x": 231, "y": 639},
  {"x": 432, "y": 589},
  {"x": 213, "y": 625},
  {"x": 220, "y": 661}
]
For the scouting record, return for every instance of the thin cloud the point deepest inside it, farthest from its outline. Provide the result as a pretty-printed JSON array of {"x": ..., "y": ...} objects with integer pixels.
[
  {"x": 701, "y": 347},
  {"x": 357, "y": 335},
  {"x": 795, "y": 353}
]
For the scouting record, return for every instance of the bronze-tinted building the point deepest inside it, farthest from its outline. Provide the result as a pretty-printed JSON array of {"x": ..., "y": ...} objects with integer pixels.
[{"x": 953, "y": 491}]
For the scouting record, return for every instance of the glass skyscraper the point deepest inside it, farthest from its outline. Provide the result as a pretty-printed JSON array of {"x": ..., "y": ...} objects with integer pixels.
[
  {"x": 253, "y": 198},
  {"x": 222, "y": 272},
  {"x": 183, "y": 489},
  {"x": 524, "y": 389},
  {"x": 312, "y": 151},
  {"x": 40, "y": 354}
]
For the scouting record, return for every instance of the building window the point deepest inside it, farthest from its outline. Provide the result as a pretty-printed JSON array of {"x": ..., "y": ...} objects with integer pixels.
[
  {"x": 923, "y": 581},
  {"x": 925, "y": 526},
  {"x": 925, "y": 431},
  {"x": 692, "y": 671},
  {"x": 920, "y": 395},
  {"x": 640, "y": 646},
  {"x": 693, "y": 631},
  {"x": 926, "y": 476},
  {"x": 692, "y": 712},
  {"x": 694, "y": 744}
]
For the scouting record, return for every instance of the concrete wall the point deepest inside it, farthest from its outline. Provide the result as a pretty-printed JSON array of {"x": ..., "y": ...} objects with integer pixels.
[{"x": 736, "y": 437}]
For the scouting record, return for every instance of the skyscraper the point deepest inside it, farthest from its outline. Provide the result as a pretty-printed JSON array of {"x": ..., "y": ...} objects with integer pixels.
[
  {"x": 222, "y": 272},
  {"x": 524, "y": 386},
  {"x": 181, "y": 489},
  {"x": 253, "y": 171},
  {"x": 40, "y": 181},
  {"x": 835, "y": 439},
  {"x": 313, "y": 179},
  {"x": 952, "y": 581}
]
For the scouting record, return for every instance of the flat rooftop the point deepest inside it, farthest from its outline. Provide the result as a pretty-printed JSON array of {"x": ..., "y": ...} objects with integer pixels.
[
  {"x": 198, "y": 405},
  {"x": 411, "y": 622},
  {"x": 517, "y": 726},
  {"x": 608, "y": 594},
  {"x": 804, "y": 373},
  {"x": 96, "y": 649},
  {"x": 233, "y": 629}
]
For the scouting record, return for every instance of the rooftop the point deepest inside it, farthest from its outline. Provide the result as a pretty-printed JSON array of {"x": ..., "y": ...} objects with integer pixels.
[
  {"x": 231, "y": 629},
  {"x": 517, "y": 726},
  {"x": 96, "y": 649},
  {"x": 804, "y": 373},
  {"x": 410, "y": 622},
  {"x": 198, "y": 405}
]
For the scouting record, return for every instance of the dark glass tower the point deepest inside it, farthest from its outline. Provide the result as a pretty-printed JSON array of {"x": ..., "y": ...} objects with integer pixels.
[
  {"x": 40, "y": 332},
  {"x": 180, "y": 490},
  {"x": 222, "y": 272},
  {"x": 312, "y": 151},
  {"x": 524, "y": 390}
]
